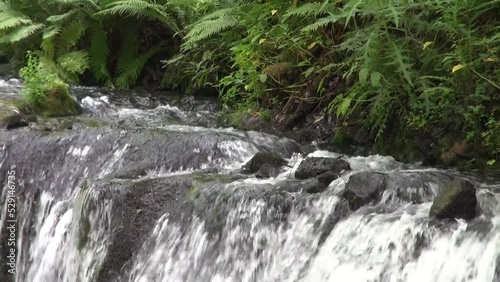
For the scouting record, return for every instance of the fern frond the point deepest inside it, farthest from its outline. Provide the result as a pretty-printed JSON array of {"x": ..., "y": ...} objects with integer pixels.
[
  {"x": 311, "y": 10},
  {"x": 48, "y": 40},
  {"x": 11, "y": 22},
  {"x": 75, "y": 62},
  {"x": 21, "y": 33},
  {"x": 61, "y": 17},
  {"x": 208, "y": 28},
  {"x": 402, "y": 63},
  {"x": 99, "y": 53},
  {"x": 131, "y": 71},
  {"x": 71, "y": 35},
  {"x": 140, "y": 9},
  {"x": 322, "y": 23}
]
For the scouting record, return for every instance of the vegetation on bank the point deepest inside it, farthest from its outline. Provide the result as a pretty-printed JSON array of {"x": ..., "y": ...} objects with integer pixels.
[{"x": 423, "y": 75}]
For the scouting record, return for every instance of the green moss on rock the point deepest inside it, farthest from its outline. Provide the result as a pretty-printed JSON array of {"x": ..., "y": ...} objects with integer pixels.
[
  {"x": 59, "y": 102},
  {"x": 11, "y": 116}
]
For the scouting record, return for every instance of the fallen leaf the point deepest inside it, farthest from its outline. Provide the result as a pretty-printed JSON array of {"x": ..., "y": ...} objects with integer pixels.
[
  {"x": 311, "y": 45},
  {"x": 457, "y": 67},
  {"x": 427, "y": 44}
]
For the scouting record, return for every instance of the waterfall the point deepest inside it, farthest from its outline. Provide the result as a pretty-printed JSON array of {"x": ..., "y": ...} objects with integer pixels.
[{"x": 154, "y": 193}]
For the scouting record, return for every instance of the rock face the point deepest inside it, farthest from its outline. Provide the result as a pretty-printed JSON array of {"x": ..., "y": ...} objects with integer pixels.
[
  {"x": 264, "y": 164},
  {"x": 312, "y": 167},
  {"x": 11, "y": 117},
  {"x": 363, "y": 188},
  {"x": 457, "y": 199}
]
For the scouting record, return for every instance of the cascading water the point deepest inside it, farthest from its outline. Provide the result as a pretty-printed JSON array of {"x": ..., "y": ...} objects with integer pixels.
[{"x": 146, "y": 189}]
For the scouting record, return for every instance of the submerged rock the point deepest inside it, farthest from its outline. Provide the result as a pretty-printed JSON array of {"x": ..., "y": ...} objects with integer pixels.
[
  {"x": 265, "y": 164},
  {"x": 457, "y": 199},
  {"x": 11, "y": 117},
  {"x": 363, "y": 188},
  {"x": 313, "y": 166}
]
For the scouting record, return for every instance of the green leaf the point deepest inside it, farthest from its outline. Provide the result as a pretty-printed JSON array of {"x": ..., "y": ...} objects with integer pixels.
[
  {"x": 344, "y": 106},
  {"x": 375, "y": 78},
  {"x": 363, "y": 75}
]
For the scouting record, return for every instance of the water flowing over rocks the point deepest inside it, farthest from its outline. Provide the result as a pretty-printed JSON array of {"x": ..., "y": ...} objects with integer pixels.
[{"x": 144, "y": 187}]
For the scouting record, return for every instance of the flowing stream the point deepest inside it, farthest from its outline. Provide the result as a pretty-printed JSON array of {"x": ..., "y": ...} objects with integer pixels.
[{"x": 145, "y": 188}]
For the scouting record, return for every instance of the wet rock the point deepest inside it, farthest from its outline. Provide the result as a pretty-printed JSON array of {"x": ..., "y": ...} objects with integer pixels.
[
  {"x": 313, "y": 166},
  {"x": 316, "y": 186},
  {"x": 265, "y": 162},
  {"x": 310, "y": 186},
  {"x": 267, "y": 171},
  {"x": 327, "y": 177},
  {"x": 457, "y": 199},
  {"x": 340, "y": 211},
  {"x": 415, "y": 187},
  {"x": 138, "y": 206},
  {"x": 363, "y": 188},
  {"x": 11, "y": 117}
]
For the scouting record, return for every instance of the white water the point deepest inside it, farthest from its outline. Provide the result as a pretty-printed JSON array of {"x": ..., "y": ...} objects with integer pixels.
[
  {"x": 374, "y": 244},
  {"x": 367, "y": 246}
]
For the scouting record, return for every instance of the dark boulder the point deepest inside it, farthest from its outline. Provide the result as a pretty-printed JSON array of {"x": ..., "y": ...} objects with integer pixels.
[
  {"x": 363, "y": 188},
  {"x": 328, "y": 177},
  {"x": 457, "y": 199},
  {"x": 267, "y": 170},
  {"x": 264, "y": 161},
  {"x": 312, "y": 167}
]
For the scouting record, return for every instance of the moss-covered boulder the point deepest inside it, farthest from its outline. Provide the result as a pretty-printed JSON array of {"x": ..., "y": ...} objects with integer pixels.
[
  {"x": 313, "y": 166},
  {"x": 456, "y": 200},
  {"x": 11, "y": 116},
  {"x": 267, "y": 164},
  {"x": 58, "y": 102}
]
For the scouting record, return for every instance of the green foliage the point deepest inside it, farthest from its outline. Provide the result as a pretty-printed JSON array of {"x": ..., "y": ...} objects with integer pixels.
[
  {"x": 36, "y": 82},
  {"x": 79, "y": 36},
  {"x": 405, "y": 65}
]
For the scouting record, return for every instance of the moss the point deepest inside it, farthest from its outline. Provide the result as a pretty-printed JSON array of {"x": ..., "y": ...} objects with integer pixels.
[{"x": 59, "y": 102}]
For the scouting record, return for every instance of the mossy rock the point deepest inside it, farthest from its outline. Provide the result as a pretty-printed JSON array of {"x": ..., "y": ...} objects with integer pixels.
[
  {"x": 457, "y": 199},
  {"x": 59, "y": 102},
  {"x": 11, "y": 115}
]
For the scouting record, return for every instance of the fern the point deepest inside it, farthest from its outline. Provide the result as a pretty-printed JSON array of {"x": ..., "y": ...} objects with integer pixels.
[
  {"x": 99, "y": 53},
  {"x": 75, "y": 62},
  {"x": 311, "y": 10},
  {"x": 71, "y": 35},
  {"x": 130, "y": 72},
  {"x": 208, "y": 28},
  {"x": 141, "y": 9},
  {"x": 20, "y": 33},
  {"x": 321, "y": 23}
]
